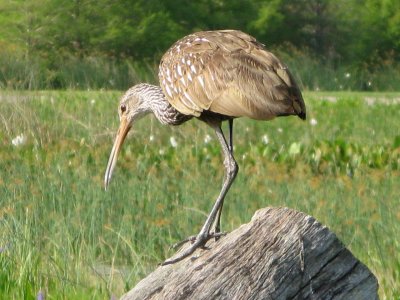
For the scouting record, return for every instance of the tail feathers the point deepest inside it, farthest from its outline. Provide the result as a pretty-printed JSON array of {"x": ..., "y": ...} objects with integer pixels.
[
  {"x": 299, "y": 106},
  {"x": 302, "y": 115}
]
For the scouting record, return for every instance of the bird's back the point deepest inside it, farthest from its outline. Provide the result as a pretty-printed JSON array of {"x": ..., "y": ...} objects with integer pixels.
[{"x": 228, "y": 72}]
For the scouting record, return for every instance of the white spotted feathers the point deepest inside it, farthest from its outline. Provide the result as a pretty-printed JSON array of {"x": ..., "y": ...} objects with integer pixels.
[{"x": 230, "y": 73}]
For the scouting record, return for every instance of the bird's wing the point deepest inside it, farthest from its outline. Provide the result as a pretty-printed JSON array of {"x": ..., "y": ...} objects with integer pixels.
[{"x": 230, "y": 73}]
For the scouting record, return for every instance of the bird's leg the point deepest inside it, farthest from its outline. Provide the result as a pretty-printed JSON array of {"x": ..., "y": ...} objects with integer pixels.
[
  {"x": 231, "y": 135},
  {"x": 217, "y": 227},
  {"x": 231, "y": 169}
]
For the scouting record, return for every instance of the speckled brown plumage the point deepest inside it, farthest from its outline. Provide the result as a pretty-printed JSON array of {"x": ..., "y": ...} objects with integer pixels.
[
  {"x": 228, "y": 72},
  {"x": 213, "y": 76}
]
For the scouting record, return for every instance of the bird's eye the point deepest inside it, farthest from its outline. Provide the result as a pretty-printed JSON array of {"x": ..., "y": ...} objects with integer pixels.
[{"x": 123, "y": 108}]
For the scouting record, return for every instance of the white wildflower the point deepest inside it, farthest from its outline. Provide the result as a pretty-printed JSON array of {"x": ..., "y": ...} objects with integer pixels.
[
  {"x": 280, "y": 130},
  {"x": 173, "y": 142},
  {"x": 331, "y": 99},
  {"x": 313, "y": 122},
  {"x": 207, "y": 139},
  {"x": 161, "y": 151},
  {"x": 370, "y": 101},
  {"x": 92, "y": 102},
  {"x": 19, "y": 140},
  {"x": 151, "y": 138},
  {"x": 294, "y": 148},
  {"x": 347, "y": 75},
  {"x": 265, "y": 139}
]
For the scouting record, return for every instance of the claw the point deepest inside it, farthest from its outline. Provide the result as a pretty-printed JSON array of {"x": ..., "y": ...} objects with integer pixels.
[
  {"x": 190, "y": 239},
  {"x": 217, "y": 235},
  {"x": 197, "y": 242}
]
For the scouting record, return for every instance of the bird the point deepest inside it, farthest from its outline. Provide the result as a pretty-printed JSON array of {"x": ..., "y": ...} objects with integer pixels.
[{"x": 212, "y": 76}]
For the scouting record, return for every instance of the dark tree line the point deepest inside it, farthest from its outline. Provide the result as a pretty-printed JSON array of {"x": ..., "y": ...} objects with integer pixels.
[{"x": 338, "y": 32}]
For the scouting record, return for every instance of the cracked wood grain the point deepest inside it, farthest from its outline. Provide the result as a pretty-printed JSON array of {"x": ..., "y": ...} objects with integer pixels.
[{"x": 279, "y": 254}]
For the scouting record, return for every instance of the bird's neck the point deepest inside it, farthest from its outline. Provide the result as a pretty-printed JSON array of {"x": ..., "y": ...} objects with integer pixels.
[{"x": 161, "y": 108}]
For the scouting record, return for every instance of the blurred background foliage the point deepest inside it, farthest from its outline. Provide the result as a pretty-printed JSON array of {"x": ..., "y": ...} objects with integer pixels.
[{"x": 329, "y": 44}]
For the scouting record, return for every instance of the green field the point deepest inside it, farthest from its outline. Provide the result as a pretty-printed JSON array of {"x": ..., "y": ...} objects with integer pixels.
[{"x": 62, "y": 235}]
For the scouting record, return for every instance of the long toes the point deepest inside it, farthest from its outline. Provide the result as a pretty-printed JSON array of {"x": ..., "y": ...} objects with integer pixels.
[
  {"x": 184, "y": 254},
  {"x": 216, "y": 235},
  {"x": 190, "y": 239},
  {"x": 197, "y": 242}
]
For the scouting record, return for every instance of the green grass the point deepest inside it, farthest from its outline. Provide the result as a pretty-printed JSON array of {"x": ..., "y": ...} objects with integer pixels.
[
  {"x": 20, "y": 71},
  {"x": 63, "y": 235}
]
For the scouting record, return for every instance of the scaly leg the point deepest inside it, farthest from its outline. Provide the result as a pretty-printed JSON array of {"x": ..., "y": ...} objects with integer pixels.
[
  {"x": 231, "y": 169},
  {"x": 217, "y": 227}
]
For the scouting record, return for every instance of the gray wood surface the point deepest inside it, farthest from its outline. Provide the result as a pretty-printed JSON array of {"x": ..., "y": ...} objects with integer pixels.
[{"x": 279, "y": 254}]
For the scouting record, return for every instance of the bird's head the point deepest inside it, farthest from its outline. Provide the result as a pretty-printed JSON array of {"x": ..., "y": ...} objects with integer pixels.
[{"x": 133, "y": 106}]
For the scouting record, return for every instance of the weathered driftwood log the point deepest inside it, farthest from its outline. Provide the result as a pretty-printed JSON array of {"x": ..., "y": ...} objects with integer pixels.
[{"x": 280, "y": 254}]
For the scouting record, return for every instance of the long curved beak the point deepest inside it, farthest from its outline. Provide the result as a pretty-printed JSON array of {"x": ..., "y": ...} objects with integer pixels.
[{"x": 123, "y": 130}]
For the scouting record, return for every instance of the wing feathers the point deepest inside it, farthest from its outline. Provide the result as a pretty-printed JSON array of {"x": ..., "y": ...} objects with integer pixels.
[{"x": 230, "y": 73}]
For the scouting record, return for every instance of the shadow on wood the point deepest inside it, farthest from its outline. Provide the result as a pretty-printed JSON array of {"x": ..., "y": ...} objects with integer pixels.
[{"x": 280, "y": 254}]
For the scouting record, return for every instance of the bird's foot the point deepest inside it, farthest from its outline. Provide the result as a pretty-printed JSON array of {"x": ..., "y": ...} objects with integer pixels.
[
  {"x": 190, "y": 239},
  {"x": 193, "y": 238},
  {"x": 196, "y": 242}
]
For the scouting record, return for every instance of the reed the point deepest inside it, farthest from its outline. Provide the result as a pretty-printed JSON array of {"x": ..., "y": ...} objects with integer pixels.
[{"x": 63, "y": 237}]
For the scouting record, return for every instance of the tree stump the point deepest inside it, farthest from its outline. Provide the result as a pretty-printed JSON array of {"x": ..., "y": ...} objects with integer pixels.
[{"x": 280, "y": 254}]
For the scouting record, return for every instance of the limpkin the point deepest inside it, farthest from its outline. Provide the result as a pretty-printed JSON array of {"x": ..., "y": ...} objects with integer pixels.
[{"x": 213, "y": 76}]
